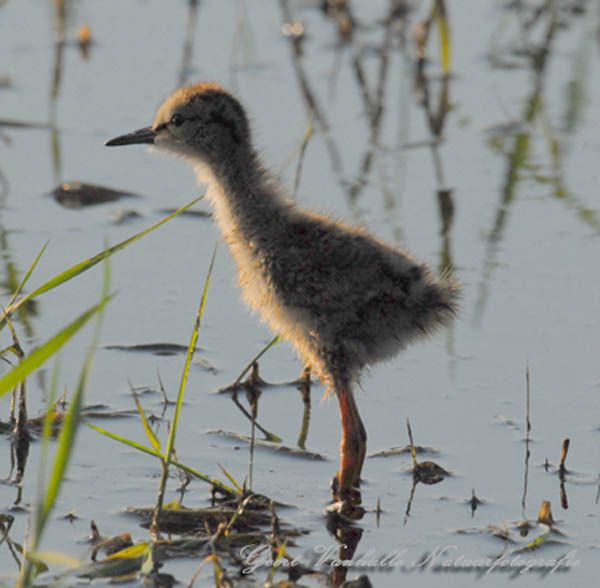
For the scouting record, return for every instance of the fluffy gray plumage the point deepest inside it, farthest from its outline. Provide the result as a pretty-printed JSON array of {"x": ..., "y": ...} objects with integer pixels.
[{"x": 344, "y": 299}]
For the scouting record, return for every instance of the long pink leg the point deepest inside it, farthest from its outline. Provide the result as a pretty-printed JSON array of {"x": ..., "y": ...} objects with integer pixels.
[{"x": 353, "y": 446}]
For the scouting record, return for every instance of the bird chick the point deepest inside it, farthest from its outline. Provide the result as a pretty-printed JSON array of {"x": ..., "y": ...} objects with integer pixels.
[{"x": 344, "y": 299}]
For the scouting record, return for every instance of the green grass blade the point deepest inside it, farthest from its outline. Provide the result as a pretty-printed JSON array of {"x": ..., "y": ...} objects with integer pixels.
[
  {"x": 126, "y": 441},
  {"x": 27, "y": 275},
  {"x": 188, "y": 361},
  {"x": 83, "y": 266},
  {"x": 441, "y": 17},
  {"x": 281, "y": 553},
  {"x": 149, "y": 432},
  {"x": 266, "y": 348},
  {"x": 20, "y": 286},
  {"x": 119, "y": 565},
  {"x": 155, "y": 453},
  {"x": 238, "y": 511},
  {"x": 231, "y": 478},
  {"x": 47, "y": 433},
  {"x": 87, "y": 264},
  {"x": 41, "y": 354},
  {"x": 65, "y": 447},
  {"x": 66, "y": 439},
  {"x": 154, "y": 527},
  {"x": 71, "y": 423},
  {"x": 205, "y": 291},
  {"x": 233, "y": 493},
  {"x": 30, "y": 567}
]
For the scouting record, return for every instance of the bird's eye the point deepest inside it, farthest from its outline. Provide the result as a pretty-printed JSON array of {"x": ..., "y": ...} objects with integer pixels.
[{"x": 177, "y": 120}]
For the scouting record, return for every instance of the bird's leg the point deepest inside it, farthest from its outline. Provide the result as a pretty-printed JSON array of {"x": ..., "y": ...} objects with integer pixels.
[
  {"x": 352, "y": 447},
  {"x": 362, "y": 435}
]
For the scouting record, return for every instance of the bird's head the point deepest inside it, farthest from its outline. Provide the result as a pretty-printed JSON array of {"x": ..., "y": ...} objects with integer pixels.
[{"x": 200, "y": 121}]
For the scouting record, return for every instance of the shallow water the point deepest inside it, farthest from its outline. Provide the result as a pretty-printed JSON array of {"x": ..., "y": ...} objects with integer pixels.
[{"x": 519, "y": 155}]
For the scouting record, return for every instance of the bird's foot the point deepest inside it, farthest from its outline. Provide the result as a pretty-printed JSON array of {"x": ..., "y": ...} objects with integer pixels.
[
  {"x": 345, "y": 492},
  {"x": 347, "y": 502},
  {"x": 346, "y": 511}
]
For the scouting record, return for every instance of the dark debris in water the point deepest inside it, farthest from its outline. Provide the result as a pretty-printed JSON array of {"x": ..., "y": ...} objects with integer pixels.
[
  {"x": 23, "y": 124},
  {"x": 508, "y": 422},
  {"x": 80, "y": 194},
  {"x": 501, "y": 533},
  {"x": 154, "y": 348},
  {"x": 360, "y": 582},
  {"x": 111, "y": 545},
  {"x": 419, "y": 449},
  {"x": 35, "y": 425},
  {"x": 255, "y": 380},
  {"x": 202, "y": 520},
  {"x": 474, "y": 502},
  {"x": 110, "y": 414},
  {"x": 124, "y": 215},
  {"x": 188, "y": 212},
  {"x": 292, "y": 451},
  {"x": 71, "y": 516},
  {"x": 526, "y": 535},
  {"x": 429, "y": 473}
]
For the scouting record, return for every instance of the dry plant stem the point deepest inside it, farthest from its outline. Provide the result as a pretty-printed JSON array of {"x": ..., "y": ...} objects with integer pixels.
[
  {"x": 188, "y": 42},
  {"x": 304, "y": 388},
  {"x": 413, "y": 451},
  {"x": 264, "y": 431},
  {"x": 562, "y": 469},
  {"x": 253, "y": 361},
  {"x": 527, "y": 402},
  {"x": 18, "y": 351},
  {"x": 305, "y": 141},
  {"x": 155, "y": 526},
  {"x": 310, "y": 99},
  {"x": 527, "y": 440},
  {"x": 252, "y": 434},
  {"x": 20, "y": 438},
  {"x": 161, "y": 386}
]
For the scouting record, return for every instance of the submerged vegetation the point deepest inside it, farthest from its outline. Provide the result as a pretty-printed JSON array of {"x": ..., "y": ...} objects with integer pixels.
[
  {"x": 237, "y": 518},
  {"x": 32, "y": 562}
]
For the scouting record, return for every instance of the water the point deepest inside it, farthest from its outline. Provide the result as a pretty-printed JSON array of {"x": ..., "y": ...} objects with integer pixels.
[{"x": 519, "y": 155}]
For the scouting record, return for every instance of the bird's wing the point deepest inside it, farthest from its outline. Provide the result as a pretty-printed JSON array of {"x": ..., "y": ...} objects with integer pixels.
[{"x": 323, "y": 265}]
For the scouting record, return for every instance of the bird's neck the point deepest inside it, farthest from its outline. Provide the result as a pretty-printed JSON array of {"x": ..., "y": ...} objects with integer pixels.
[{"x": 245, "y": 199}]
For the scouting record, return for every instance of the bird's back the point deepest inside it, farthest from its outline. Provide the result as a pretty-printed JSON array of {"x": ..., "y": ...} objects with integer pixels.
[{"x": 333, "y": 289}]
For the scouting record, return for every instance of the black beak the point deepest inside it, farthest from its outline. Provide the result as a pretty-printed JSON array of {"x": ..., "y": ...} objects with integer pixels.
[{"x": 145, "y": 135}]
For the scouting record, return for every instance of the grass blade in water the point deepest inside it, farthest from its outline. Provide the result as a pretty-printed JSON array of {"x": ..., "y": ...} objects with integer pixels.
[{"x": 83, "y": 266}]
